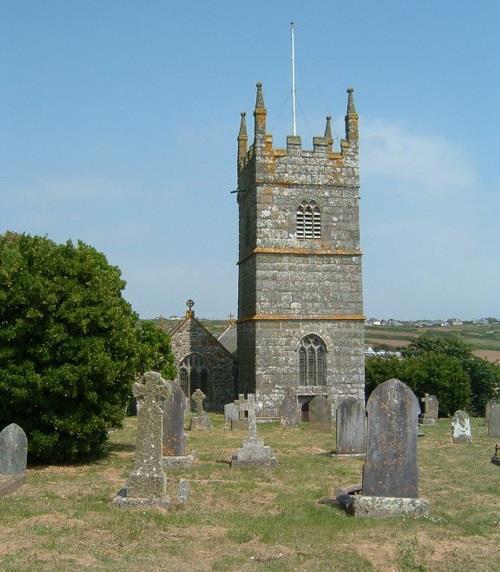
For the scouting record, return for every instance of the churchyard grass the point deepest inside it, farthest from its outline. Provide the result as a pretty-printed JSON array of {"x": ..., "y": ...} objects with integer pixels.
[{"x": 62, "y": 518}]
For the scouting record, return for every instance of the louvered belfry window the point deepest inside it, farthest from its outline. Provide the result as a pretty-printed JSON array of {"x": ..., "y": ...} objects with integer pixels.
[
  {"x": 312, "y": 361},
  {"x": 308, "y": 220}
]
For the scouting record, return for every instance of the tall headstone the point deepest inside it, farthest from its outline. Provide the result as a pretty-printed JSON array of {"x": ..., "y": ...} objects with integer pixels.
[
  {"x": 253, "y": 453},
  {"x": 431, "y": 412},
  {"x": 391, "y": 461},
  {"x": 147, "y": 481},
  {"x": 487, "y": 411},
  {"x": 200, "y": 420},
  {"x": 13, "y": 450},
  {"x": 290, "y": 408},
  {"x": 320, "y": 413},
  {"x": 351, "y": 427},
  {"x": 175, "y": 453},
  {"x": 460, "y": 428},
  {"x": 494, "y": 421}
]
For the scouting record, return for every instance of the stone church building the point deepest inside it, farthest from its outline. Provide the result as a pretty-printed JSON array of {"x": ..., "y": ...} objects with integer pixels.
[{"x": 300, "y": 306}]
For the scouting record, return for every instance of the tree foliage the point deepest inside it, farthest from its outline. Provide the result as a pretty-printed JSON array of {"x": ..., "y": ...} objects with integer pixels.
[
  {"x": 154, "y": 350},
  {"x": 68, "y": 345}
]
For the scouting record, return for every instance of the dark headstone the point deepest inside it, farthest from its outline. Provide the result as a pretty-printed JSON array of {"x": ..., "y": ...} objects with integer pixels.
[
  {"x": 351, "y": 427},
  {"x": 13, "y": 450},
  {"x": 494, "y": 421},
  {"x": 320, "y": 413},
  {"x": 431, "y": 410},
  {"x": 460, "y": 428},
  {"x": 174, "y": 436},
  {"x": 290, "y": 408},
  {"x": 391, "y": 469}
]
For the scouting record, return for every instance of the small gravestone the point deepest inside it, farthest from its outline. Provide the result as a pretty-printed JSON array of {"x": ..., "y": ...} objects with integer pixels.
[
  {"x": 253, "y": 453},
  {"x": 460, "y": 428},
  {"x": 290, "y": 408},
  {"x": 431, "y": 411},
  {"x": 351, "y": 427},
  {"x": 242, "y": 421},
  {"x": 200, "y": 420},
  {"x": 175, "y": 453},
  {"x": 320, "y": 413},
  {"x": 390, "y": 473},
  {"x": 146, "y": 484},
  {"x": 13, "y": 450},
  {"x": 230, "y": 413},
  {"x": 494, "y": 421}
]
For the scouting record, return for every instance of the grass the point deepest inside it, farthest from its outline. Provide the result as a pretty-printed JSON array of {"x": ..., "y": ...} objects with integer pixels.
[{"x": 62, "y": 518}]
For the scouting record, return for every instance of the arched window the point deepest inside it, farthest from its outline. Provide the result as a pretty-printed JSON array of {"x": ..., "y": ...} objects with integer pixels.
[
  {"x": 193, "y": 375},
  {"x": 312, "y": 361},
  {"x": 308, "y": 220}
]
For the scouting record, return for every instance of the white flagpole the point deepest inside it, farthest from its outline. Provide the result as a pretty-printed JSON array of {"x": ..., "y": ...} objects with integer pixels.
[{"x": 294, "y": 125}]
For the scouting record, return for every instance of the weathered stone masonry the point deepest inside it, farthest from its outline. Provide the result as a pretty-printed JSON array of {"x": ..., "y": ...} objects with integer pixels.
[{"x": 291, "y": 286}]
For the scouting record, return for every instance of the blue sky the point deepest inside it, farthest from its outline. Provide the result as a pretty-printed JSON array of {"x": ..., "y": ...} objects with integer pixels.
[{"x": 119, "y": 121}]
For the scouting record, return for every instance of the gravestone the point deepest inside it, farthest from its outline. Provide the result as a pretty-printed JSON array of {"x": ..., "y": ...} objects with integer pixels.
[
  {"x": 460, "y": 428},
  {"x": 487, "y": 411},
  {"x": 320, "y": 413},
  {"x": 230, "y": 413},
  {"x": 200, "y": 420},
  {"x": 494, "y": 421},
  {"x": 242, "y": 421},
  {"x": 146, "y": 484},
  {"x": 175, "y": 453},
  {"x": 253, "y": 453},
  {"x": 431, "y": 412},
  {"x": 290, "y": 408},
  {"x": 351, "y": 427},
  {"x": 13, "y": 450},
  {"x": 390, "y": 473}
]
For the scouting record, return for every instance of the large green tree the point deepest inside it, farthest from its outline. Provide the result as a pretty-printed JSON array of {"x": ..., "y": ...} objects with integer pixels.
[{"x": 68, "y": 345}]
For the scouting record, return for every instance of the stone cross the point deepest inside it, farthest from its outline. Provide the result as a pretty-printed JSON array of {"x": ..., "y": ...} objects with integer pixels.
[
  {"x": 251, "y": 406},
  {"x": 240, "y": 402},
  {"x": 391, "y": 469},
  {"x": 147, "y": 480},
  {"x": 13, "y": 450},
  {"x": 198, "y": 397}
]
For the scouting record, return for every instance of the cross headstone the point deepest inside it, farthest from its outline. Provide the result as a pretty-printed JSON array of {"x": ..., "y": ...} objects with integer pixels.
[
  {"x": 494, "y": 421},
  {"x": 13, "y": 450},
  {"x": 290, "y": 408},
  {"x": 431, "y": 412},
  {"x": 351, "y": 427},
  {"x": 240, "y": 402},
  {"x": 174, "y": 436},
  {"x": 391, "y": 469},
  {"x": 147, "y": 480},
  {"x": 198, "y": 398},
  {"x": 200, "y": 420},
  {"x": 460, "y": 428},
  {"x": 320, "y": 413},
  {"x": 251, "y": 406}
]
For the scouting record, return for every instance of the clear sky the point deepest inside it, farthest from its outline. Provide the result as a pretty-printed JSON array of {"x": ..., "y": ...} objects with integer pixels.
[{"x": 119, "y": 121}]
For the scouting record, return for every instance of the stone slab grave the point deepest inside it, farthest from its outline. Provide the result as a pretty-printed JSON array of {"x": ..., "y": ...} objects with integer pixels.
[
  {"x": 200, "y": 420},
  {"x": 253, "y": 453},
  {"x": 390, "y": 472},
  {"x": 494, "y": 420},
  {"x": 351, "y": 427},
  {"x": 146, "y": 484},
  {"x": 175, "y": 451},
  {"x": 460, "y": 428},
  {"x": 320, "y": 413},
  {"x": 289, "y": 412},
  {"x": 242, "y": 421},
  {"x": 496, "y": 457},
  {"x": 231, "y": 414},
  {"x": 431, "y": 411},
  {"x": 13, "y": 458}
]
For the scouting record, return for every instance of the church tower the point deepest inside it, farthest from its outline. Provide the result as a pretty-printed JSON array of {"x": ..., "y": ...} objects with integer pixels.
[{"x": 300, "y": 305}]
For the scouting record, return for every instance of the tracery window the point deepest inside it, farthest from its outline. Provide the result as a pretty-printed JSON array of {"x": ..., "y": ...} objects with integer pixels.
[
  {"x": 308, "y": 220},
  {"x": 312, "y": 361},
  {"x": 193, "y": 375}
]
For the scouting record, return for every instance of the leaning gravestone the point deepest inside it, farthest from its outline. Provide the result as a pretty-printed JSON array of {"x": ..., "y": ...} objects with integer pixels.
[
  {"x": 351, "y": 427},
  {"x": 175, "y": 453},
  {"x": 290, "y": 408},
  {"x": 431, "y": 413},
  {"x": 494, "y": 421},
  {"x": 320, "y": 413},
  {"x": 390, "y": 473},
  {"x": 200, "y": 420},
  {"x": 253, "y": 453},
  {"x": 146, "y": 484},
  {"x": 460, "y": 428}
]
